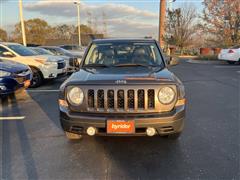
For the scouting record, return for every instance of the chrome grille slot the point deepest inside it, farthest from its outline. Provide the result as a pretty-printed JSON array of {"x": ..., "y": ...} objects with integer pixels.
[
  {"x": 120, "y": 99},
  {"x": 141, "y": 100},
  {"x": 130, "y": 100},
  {"x": 100, "y": 98},
  {"x": 110, "y": 99},
  {"x": 151, "y": 98},
  {"x": 91, "y": 98}
]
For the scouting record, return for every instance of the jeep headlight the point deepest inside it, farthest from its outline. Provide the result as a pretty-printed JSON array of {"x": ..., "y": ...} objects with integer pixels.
[
  {"x": 75, "y": 96},
  {"x": 4, "y": 73},
  {"x": 166, "y": 95}
]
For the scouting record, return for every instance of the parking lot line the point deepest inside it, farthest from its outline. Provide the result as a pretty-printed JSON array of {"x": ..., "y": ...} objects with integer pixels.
[
  {"x": 12, "y": 118},
  {"x": 44, "y": 90},
  {"x": 226, "y": 66}
]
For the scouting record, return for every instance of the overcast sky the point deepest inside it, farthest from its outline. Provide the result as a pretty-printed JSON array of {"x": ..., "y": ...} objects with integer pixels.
[{"x": 124, "y": 17}]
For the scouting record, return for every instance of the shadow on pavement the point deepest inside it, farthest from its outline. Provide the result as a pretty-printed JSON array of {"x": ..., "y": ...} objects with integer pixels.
[
  {"x": 10, "y": 105},
  {"x": 137, "y": 157}
]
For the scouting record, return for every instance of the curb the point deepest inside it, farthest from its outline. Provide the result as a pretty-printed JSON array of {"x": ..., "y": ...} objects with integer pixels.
[{"x": 205, "y": 62}]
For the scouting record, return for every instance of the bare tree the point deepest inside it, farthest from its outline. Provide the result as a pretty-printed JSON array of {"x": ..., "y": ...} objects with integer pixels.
[
  {"x": 222, "y": 21},
  {"x": 181, "y": 26},
  {"x": 63, "y": 31}
]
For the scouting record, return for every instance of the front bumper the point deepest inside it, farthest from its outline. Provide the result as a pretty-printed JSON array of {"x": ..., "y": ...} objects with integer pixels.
[
  {"x": 52, "y": 71},
  {"x": 164, "y": 123},
  {"x": 10, "y": 84}
]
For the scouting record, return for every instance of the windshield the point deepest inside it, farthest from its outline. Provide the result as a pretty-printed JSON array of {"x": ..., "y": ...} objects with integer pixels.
[
  {"x": 22, "y": 50},
  {"x": 42, "y": 51},
  {"x": 59, "y": 51},
  {"x": 72, "y": 47},
  {"x": 124, "y": 54}
]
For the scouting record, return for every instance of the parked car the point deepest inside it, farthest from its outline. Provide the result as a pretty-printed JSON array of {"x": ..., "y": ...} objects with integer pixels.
[
  {"x": 231, "y": 55},
  {"x": 42, "y": 51},
  {"x": 123, "y": 88},
  {"x": 43, "y": 67},
  {"x": 73, "y": 61},
  {"x": 75, "y": 50},
  {"x": 13, "y": 76}
]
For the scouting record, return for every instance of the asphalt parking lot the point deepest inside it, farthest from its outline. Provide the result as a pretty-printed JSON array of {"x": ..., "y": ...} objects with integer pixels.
[{"x": 35, "y": 147}]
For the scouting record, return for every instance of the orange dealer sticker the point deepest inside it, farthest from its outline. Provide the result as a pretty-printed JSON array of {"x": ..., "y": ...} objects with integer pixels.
[{"x": 120, "y": 127}]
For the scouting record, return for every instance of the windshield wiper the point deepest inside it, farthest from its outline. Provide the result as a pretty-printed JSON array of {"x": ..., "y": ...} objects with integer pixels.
[
  {"x": 132, "y": 64},
  {"x": 95, "y": 65}
]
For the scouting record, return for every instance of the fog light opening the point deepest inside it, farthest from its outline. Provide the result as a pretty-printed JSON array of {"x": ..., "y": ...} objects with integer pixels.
[
  {"x": 3, "y": 88},
  {"x": 91, "y": 131},
  {"x": 150, "y": 131}
]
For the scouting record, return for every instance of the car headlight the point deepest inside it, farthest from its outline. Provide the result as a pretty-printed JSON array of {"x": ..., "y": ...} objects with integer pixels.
[
  {"x": 46, "y": 62},
  {"x": 166, "y": 95},
  {"x": 75, "y": 96},
  {"x": 4, "y": 73},
  {"x": 50, "y": 63}
]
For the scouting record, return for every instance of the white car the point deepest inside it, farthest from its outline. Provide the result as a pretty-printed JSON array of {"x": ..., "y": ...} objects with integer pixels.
[
  {"x": 73, "y": 61},
  {"x": 231, "y": 55},
  {"x": 42, "y": 51},
  {"x": 43, "y": 67}
]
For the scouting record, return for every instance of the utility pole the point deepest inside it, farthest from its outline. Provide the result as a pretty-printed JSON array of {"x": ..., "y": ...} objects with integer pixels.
[
  {"x": 22, "y": 23},
  {"x": 162, "y": 15},
  {"x": 79, "y": 25}
]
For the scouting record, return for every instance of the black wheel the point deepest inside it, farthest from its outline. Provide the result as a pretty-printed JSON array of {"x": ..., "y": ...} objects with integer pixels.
[
  {"x": 173, "y": 136},
  {"x": 231, "y": 62},
  {"x": 37, "y": 78}
]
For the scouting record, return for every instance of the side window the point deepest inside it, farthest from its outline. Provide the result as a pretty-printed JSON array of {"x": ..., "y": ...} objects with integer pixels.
[
  {"x": 2, "y": 50},
  {"x": 93, "y": 55},
  {"x": 52, "y": 50}
]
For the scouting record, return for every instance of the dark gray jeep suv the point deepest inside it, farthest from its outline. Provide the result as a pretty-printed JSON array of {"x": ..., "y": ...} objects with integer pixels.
[{"x": 123, "y": 87}]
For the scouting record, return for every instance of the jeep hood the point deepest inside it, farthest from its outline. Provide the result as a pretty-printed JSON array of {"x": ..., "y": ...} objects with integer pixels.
[{"x": 121, "y": 75}]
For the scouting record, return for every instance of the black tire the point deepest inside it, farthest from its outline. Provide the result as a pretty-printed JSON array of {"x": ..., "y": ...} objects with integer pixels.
[
  {"x": 174, "y": 136},
  {"x": 231, "y": 62},
  {"x": 37, "y": 79}
]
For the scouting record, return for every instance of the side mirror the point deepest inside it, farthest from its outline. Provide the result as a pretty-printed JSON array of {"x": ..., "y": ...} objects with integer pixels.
[
  {"x": 172, "y": 61},
  {"x": 8, "y": 54}
]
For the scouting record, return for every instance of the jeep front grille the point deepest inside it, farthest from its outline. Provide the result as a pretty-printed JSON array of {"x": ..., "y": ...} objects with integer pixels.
[{"x": 120, "y": 100}]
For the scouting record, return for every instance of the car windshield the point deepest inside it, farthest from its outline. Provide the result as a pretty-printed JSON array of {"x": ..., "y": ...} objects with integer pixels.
[
  {"x": 22, "y": 50},
  {"x": 124, "y": 54},
  {"x": 71, "y": 47},
  {"x": 60, "y": 51},
  {"x": 42, "y": 51}
]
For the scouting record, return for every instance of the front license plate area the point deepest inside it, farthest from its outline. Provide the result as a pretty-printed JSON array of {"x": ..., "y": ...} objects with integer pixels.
[{"x": 120, "y": 127}]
